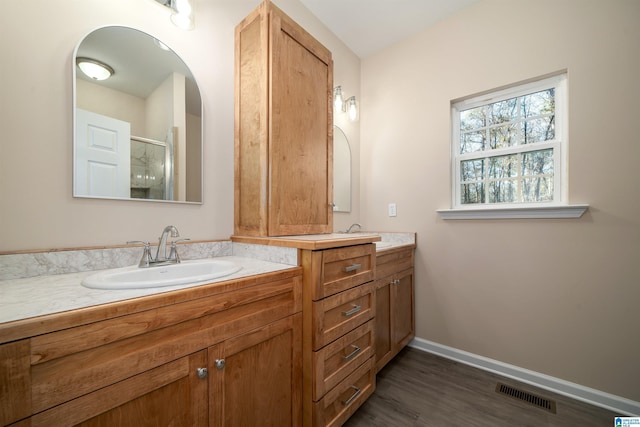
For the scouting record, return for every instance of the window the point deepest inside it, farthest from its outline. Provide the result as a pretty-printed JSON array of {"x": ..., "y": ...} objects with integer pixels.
[{"x": 509, "y": 147}]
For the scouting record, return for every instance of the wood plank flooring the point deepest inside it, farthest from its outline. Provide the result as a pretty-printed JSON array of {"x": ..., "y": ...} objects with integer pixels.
[{"x": 420, "y": 389}]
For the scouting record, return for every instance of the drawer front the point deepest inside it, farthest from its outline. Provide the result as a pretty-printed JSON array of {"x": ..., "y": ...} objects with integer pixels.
[
  {"x": 388, "y": 263},
  {"x": 338, "y": 314},
  {"x": 345, "y": 398},
  {"x": 334, "y": 362},
  {"x": 344, "y": 268}
]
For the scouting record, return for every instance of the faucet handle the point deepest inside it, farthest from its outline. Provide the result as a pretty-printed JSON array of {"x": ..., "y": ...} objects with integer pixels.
[
  {"x": 146, "y": 259},
  {"x": 173, "y": 254}
]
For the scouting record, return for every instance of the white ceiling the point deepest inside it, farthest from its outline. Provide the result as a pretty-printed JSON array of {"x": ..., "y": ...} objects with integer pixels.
[{"x": 367, "y": 26}]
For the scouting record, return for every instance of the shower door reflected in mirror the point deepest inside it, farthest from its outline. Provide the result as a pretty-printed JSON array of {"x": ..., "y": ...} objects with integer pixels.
[
  {"x": 341, "y": 171},
  {"x": 151, "y": 147}
]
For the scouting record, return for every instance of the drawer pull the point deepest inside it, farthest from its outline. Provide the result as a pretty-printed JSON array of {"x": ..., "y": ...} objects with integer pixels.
[
  {"x": 353, "y": 396},
  {"x": 354, "y": 310},
  {"x": 353, "y": 353},
  {"x": 352, "y": 267}
]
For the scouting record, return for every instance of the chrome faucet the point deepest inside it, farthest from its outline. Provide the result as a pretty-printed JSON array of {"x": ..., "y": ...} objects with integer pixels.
[
  {"x": 349, "y": 230},
  {"x": 162, "y": 242},
  {"x": 161, "y": 258}
]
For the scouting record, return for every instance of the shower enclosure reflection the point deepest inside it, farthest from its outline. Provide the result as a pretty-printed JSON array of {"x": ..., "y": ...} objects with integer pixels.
[{"x": 151, "y": 169}]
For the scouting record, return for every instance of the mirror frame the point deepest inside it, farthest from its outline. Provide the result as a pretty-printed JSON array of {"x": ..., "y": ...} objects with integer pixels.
[
  {"x": 337, "y": 171},
  {"x": 75, "y": 122}
]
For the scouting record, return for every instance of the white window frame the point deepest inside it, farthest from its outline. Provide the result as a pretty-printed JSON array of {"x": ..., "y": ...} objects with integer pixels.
[{"x": 556, "y": 208}]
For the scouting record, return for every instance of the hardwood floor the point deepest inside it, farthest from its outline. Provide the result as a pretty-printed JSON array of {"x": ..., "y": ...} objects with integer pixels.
[{"x": 420, "y": 389}]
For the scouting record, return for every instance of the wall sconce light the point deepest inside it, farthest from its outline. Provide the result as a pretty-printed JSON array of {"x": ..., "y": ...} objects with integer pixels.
[
  {"x": 94, "y": 69},
  {"x": 349, "y": 106},
  {"x": 352, "y": 108},
  {"x": 338, "y": 100},
  {"x": 182, "y": 13}
]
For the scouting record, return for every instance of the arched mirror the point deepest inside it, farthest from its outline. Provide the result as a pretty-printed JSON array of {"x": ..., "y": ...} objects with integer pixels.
[
  {"x": 341, "y": 171},
  {"x": 138, "y": 132}
]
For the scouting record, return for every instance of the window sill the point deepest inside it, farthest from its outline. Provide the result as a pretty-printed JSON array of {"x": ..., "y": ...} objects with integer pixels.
[{"x": 567, "y": 211}]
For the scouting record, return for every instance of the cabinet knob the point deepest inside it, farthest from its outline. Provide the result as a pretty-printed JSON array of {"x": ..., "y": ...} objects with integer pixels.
[
  {"x": 220, "y": 363},
  {"x": 202, "y": 373}
]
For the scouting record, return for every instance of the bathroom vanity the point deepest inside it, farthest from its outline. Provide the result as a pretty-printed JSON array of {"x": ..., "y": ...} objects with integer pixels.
[
  {"x": 226, "y": 353},
  {"x": 340, "y": 313},
  {"x": 394, "y": 289}
]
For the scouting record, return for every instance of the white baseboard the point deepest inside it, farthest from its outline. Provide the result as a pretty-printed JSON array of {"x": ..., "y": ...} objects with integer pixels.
[{"x": 617, "y": 404}]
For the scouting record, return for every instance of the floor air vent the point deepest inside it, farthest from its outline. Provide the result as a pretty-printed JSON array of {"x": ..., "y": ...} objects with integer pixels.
[{"x": 532, "y": 399}]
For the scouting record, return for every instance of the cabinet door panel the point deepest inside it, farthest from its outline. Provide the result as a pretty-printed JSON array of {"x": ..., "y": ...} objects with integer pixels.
[
  {"x": 171, "y": 394},
  {"x": 260, "y": 381},
  {"x": 402, "y": 310},
  {"x": 301, "y": 147},
  {"x": 383, "y": 323}
]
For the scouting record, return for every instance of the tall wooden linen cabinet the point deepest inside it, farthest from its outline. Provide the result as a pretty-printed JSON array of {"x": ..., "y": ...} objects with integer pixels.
[{"x": 283, "y": 128}]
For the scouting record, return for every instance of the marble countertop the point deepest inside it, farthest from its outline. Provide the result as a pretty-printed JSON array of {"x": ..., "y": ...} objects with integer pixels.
[
  {"x": 395, "y": 240},
  {"x": 37, "y": 296}
]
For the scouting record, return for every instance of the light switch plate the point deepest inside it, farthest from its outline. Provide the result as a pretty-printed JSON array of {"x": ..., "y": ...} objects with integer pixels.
[{"x": 392, "y": 209}]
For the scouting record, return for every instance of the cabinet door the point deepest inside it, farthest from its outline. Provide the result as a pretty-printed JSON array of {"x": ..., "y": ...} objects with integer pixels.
[
  {"x": 256, "y": 378},
  {"x": 169, "y": 395},
  {"x": 301, "y": 144},
  {"x": 383, "y": 323},
  {"x": 403, "y": 324}
]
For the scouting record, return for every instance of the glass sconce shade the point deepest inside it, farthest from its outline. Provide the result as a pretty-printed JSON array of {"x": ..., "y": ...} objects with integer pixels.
[
  {"x": 338, "y": 101},
  {"x": 352, "y": 108}
]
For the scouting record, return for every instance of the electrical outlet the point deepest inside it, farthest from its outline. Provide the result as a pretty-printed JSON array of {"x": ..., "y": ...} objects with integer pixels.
[{"x": 392, "y": 209}]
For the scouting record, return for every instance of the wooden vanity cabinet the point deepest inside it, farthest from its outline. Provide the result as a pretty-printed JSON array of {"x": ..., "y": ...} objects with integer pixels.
[
  {"x": 395, "y": 319},
  {"x": 219, "y": 355},
  {"x": 338, "y": 338},
  {"x": 283, "y": 128}
]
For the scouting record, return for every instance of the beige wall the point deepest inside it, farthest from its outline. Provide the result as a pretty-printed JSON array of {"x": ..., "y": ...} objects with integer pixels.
[
  {"x": 560, "y": 297},
  {"x": 37, "y": 210}
]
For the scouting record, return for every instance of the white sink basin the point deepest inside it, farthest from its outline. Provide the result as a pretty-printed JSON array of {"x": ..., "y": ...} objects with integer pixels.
[
  {"x": 175, "y": 274},
  {"x": 380, "y": 245}
]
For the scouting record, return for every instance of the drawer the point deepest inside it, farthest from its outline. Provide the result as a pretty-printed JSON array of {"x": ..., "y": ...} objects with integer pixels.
[
  {"x": 343, "y": 400},
  {"x": 334, "y": 362},
  {"x": 391, "y": 262},
  {"x": 338, "y": 314},
  {"x": 335, "y": 270}
]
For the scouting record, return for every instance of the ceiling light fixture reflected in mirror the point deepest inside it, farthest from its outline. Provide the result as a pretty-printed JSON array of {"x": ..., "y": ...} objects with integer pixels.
[{"x": 94, "y": 69}]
